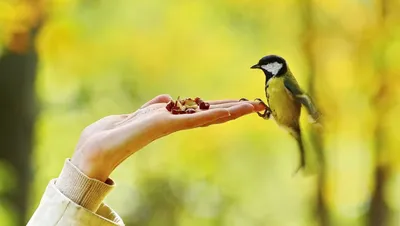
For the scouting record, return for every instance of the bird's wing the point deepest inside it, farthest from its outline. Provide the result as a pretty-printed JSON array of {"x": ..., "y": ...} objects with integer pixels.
[{"x": 302, "y": 98}]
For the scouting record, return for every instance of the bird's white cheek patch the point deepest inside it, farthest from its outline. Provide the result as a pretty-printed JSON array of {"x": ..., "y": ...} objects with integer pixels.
[{"x": 272, "y": 67}]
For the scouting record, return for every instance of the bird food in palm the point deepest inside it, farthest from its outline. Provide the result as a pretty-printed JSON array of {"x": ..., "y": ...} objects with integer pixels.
[{"x": 187, "y": 106}]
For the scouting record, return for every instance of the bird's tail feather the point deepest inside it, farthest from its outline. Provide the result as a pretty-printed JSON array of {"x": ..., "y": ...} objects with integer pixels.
[
  {"x": 296, "y": 133},
  {"x": 300, "y": 145}
]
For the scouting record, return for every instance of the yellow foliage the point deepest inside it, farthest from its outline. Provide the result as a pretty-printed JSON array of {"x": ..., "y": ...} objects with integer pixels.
[
  {"x": 16, "y": 17},
  {"x": 108, "y": 57}
]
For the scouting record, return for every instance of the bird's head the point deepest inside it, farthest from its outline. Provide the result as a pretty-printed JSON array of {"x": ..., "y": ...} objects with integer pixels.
[{"x": 272, "y": 65}]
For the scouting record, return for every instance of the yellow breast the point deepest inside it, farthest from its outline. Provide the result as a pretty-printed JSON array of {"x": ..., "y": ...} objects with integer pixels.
[{"x": 285, "y": 110}]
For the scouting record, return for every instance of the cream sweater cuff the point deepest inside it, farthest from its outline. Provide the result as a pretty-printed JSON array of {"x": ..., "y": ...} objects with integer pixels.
[{"x": 82, "y": 190}]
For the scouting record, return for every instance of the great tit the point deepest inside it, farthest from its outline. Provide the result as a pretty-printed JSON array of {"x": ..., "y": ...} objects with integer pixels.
[{"x": 285, "y": 98}]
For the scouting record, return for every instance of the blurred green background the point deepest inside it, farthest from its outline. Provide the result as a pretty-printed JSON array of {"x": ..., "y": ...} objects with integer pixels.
[{"x": 66, "y": 63}]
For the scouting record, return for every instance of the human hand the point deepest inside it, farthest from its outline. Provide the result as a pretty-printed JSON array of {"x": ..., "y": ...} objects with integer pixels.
[{"x": 106, "y": 143}]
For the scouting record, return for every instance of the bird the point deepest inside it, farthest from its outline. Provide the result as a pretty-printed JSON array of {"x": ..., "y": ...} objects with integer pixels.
[{"x": 285, "y": 98}]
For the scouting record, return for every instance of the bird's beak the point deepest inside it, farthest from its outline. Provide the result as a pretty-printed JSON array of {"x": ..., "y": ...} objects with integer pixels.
[{"x": 256, "y": 66}]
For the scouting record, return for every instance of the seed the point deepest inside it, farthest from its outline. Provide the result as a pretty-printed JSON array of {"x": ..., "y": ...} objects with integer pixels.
[
  {"x": 180, "y": 106},
  {"x": 204, "y": 106},
  {"x": 176, "y": 111},
  {"x": 190, "y": 111},
  {"x": 189, "y": 103},
  {"x": 198, "y": 100},
  {"x": 170, "y": 105}
]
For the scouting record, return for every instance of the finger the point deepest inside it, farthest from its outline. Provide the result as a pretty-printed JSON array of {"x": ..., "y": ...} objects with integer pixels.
[
  {"x": 257, "y": 106},
  {"x": 236, "y": 112},
  {"x": 224, "y": 105},
  {"x": 190, "y": 121},
  {"x": 212, "y": 102},
  {"x": 164, "y": 98}
]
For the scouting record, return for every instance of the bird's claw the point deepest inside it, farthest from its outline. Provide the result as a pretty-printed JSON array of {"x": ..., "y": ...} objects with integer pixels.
[
  {"x": 267, "y": 112},
  {"x": 265, "y": 115},
  {"x": 261, "y": 101}
]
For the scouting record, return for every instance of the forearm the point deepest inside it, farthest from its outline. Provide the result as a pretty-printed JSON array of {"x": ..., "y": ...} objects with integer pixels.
[{"x": 75, "y": 199}]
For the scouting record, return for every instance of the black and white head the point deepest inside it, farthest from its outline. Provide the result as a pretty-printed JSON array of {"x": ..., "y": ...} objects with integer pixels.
[{"x": 272, "y": 65}]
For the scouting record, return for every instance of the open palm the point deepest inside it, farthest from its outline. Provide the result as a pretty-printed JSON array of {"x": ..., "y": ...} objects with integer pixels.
[{"x": 106, "y": 143}]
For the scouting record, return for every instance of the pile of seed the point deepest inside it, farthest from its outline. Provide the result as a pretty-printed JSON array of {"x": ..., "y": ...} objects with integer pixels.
[{"x": 187, "y": 106}]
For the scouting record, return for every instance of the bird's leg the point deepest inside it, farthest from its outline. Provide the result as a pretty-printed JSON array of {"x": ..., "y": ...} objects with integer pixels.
[{"x": 267, "y": 112}]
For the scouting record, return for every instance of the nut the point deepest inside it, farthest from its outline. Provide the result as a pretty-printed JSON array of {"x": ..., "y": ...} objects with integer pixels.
[
  {"x": 190, "y": 111},
  {"x": 204, "y": 106},
  {"x": 170, "y": 105}
]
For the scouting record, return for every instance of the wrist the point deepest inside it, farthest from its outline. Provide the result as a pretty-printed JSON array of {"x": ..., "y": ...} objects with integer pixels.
[
  {"x": 82, "y": 190},
  {"x": 92, "y": 168}
]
